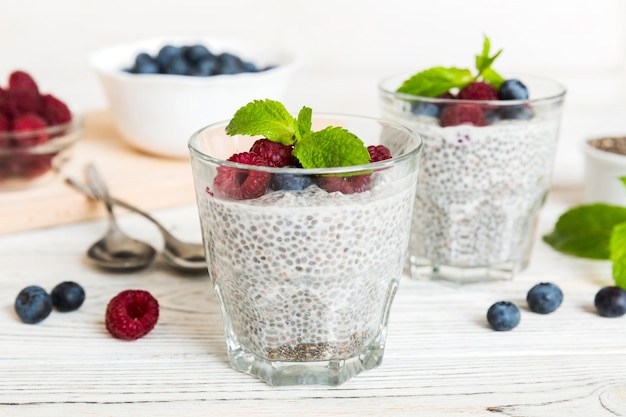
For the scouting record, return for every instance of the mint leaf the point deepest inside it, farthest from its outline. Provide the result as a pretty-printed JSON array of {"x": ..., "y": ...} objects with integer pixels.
[
  {"x": 266, "y": 118},
  {"x": 618, "y": 254},
  {"x": 330, "y": 147},
  {"x": 435, "y": 81},
  {"x": 585, "y": 231},
  {"x": 493, "y": 78},
  {"x": 305, "y": 118}
]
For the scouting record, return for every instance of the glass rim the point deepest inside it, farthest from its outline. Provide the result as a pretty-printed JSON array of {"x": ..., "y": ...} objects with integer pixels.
[
  {"x": 315, "y": 171},
  {"x": 558, "y": 96}
]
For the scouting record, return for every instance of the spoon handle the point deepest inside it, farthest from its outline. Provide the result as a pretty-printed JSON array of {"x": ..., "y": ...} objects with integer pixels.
[{"x": 89, "y": 192}]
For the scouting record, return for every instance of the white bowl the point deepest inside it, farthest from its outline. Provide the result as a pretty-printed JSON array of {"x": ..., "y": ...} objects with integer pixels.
[
  {"x": 603, "y": 170},
  {"x": 157, "y": 113}
]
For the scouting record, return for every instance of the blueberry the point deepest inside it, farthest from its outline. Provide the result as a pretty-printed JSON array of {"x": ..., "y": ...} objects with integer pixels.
[
  {"x": 425, "y": 109},
  {"x": 513, "y": 90},
  {"x": 196, "y": 53},
  {"x": 503, "y": 316},
  {"x": 492, "y": 116},
  {"x": 167, "y": 54},
  {"x": 611, "y": 302},
  {"x": 290, "y": 182},
  {"x": 178, "y": 66},
  {"x": 250, "y": 67},
  {"x": 67, "y": 296},
  {"x": 516, "y": 113},
  {"x": 544, "y": 298},
  {"x": 33, "y": 304},
  {"x": 228, "y": 63},
  {"x": 144, "y": 64},
  {"x": 205, "y": 67}
]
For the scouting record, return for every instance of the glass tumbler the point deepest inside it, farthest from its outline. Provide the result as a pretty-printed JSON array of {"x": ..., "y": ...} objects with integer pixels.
[
  {"x": 481, "y": 187},
  {"x": 305, "y": 274}
]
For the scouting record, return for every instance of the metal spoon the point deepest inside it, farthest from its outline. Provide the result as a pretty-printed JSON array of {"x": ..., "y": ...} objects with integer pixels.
[
  {"x": 116, "y": 250},
  {"x": 183, "y": 256}
]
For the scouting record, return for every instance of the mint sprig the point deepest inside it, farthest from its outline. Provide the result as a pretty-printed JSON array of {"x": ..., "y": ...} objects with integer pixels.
[
  {"x": 595, "y": 231},
  {"x": 435, "y": 81},
  {"x": 330, "y": 147}
]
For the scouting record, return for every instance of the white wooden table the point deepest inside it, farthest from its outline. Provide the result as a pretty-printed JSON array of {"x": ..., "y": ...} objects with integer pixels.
[{"x": 441, "y": 358}]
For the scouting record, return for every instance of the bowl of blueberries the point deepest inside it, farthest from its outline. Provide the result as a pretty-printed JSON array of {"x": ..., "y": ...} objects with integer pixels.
[{"x": 162, "y": 90}]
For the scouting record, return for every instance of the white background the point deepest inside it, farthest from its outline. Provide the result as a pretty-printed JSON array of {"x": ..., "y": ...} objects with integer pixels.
[{"x": 347, "y": 46}]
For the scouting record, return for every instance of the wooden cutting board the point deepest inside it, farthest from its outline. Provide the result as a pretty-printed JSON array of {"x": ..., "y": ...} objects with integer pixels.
[{"x": 147, "y": 181}]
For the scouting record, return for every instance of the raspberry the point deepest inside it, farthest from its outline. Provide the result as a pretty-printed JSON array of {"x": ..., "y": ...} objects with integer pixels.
[
  {"x": 19, "y": 101},
  {"x": 276, "y": 154},
  {"x": 30, "y": 166},
  {"x": 346, "y": 185},
  {"x": 131, "y": 314},
  {"x": 447, "y": 95},
  {"x": 379, "y": 153},
  {"x": 22, "y": 80},
  {"x": 459, "y": 114},
  {"x": 29, "y": 122},
  {"x": 55, "y": 111},
  {"x": 478, "y": 90},
  {"x": 242, "y": 184}
]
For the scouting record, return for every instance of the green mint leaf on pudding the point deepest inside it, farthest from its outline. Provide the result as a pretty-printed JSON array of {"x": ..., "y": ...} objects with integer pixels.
[
  {"x": 436, "y": 81},
  {"x": 618, "y": 254},
  {"x": 266, "y": 118},
  {"x": 585, "y": 231},
  {"x": 305, "y": 118},
  {"x": 330, "y": 147},
  {"x": 493, "y": 78},
  {"x": 484, "y": 62}
]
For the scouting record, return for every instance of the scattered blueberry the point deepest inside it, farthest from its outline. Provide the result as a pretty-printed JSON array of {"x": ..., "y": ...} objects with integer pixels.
[
  {"x": 516, "y": 113},
  {"x": 425, "y": 109},
  {"x": 513, "y": 90},
  {"x": 611, "y": 302},
  {"x": 33, "y": 304},
  {"x": 544, "y": 298},
  {"x": 290, "y": 182},
  {"x": 67, "y": 296},
  {"x": 503, "y": 316}
]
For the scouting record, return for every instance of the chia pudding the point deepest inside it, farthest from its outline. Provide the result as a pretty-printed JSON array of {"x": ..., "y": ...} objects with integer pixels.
[
  {"x": 307, "y": 275},
  {"x": 480, "y": 190},
  {"x": 484, "y": 176}
]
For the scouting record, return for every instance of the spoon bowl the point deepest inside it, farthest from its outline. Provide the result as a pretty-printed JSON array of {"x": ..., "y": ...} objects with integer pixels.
[{"x": 116, "y": 250}]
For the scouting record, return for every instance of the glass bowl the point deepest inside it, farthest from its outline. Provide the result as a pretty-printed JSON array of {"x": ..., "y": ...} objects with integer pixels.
[{"x": 35, "y": 158}]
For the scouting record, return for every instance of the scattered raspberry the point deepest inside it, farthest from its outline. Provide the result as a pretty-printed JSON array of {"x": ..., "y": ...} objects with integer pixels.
[
  {"x": 22, "y": 80},
  {"x": 459, "y": 114},
  {"x": 55, "y": 111},
  {"x": 29, "y": 122},
  {"x": 478, "y": 90},
  {"x": 242, "y": 184},
  {"x": 19, "y": 101},
  {"x": 379, "y": 153},
  {"x": 346, "y": 185},
  {"x": 276, "y": 154},
  {"x": 131, "y": 314}
]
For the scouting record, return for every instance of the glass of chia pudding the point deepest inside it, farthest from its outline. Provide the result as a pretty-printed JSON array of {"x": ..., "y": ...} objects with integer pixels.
[
  {"x": 484, "y": 176},
  {"x": 305, "y": 262}
]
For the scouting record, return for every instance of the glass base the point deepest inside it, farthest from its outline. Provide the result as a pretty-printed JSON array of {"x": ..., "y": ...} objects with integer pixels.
[
  {"x": 331, "y": 372},
  {"x": 424, "y": 269}
]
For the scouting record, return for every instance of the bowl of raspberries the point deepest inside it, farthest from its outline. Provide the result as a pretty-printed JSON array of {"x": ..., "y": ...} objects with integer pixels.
[
  {"x": 161, "y": 90},
  {"x": 37, "y": 133}
]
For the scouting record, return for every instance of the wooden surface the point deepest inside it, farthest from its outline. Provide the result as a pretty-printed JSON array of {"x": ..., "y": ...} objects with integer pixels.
[
  {"x": 441, "y": 358},
  {"x": 147, "y": 181}
]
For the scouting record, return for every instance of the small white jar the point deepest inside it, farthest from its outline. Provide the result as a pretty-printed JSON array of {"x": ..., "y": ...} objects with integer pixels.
[{"x": 603, "y": 170}]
